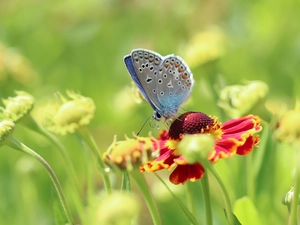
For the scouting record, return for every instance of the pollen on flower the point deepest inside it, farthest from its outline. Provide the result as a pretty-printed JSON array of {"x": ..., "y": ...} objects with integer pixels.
[
  {"x": 130, "y": 153},
  {"x": 193, "y": 123}
]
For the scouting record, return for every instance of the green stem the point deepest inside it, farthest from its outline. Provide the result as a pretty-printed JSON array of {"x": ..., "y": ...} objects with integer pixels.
[
  {"x": 229, "y": 212},
  {"x": 32, "y": 124},
  {"x": 125, "y": 182},
  {"x": 88, "y": 138},
  {"x": 207, "y": 202},
  {"x": 179, "y": 202},
  {"x": 21, "y": 147},
  {"x": 294, "y": 205},
  {"x": 142, "y": 183},
  {"x": 189, "y": 198}
]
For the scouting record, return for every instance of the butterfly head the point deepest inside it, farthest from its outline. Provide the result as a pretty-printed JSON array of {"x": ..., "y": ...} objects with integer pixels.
[{"x": 157, "y": 116}]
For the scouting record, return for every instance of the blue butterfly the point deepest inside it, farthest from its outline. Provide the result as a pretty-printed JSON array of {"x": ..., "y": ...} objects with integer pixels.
[{"x": 164, "y": 81}]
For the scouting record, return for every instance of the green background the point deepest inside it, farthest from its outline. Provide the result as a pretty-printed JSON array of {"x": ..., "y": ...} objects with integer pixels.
[{"x": 80, "y": 45}]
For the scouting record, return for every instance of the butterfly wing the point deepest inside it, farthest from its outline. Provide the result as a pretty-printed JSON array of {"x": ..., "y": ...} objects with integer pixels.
[
  {"x": 143, "y": 68},
  {"x": 174, "y": 84}
]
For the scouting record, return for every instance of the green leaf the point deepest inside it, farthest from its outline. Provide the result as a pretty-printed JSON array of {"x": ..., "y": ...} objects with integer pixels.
[{"x": 245, "y": 210}]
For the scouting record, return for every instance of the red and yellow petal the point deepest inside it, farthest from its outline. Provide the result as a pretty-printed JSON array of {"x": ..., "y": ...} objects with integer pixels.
[
  {"x": 248, "y": 145},
  {"x": 182, "y": 173}
]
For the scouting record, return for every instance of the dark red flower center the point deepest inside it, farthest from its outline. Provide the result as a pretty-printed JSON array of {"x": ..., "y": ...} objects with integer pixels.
[{"x": 190, "y": 123}]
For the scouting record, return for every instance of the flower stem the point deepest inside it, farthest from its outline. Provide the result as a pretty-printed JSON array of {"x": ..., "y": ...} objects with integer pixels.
[
  {"x": 88, "y": 138},
  {"x": 179, "y": 202},
  {"x": 207, "y": 202},
  {"x": 142, "y": 183},
  {"x": 190, "y": 199},
  {"x": 21, "y": 147},
  {"x": 229, "y": 211},
  {"x": 125, "y": 182},
  {"x": 32, "y": 124},
  {"x": 294, "y": 205}
]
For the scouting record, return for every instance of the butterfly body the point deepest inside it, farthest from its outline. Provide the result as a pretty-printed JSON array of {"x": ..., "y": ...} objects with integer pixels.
[{"x": 165, "y": 82}]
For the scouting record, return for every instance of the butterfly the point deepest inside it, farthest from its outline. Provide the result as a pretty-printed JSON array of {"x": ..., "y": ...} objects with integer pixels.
[{"x": 164, "y": 81}]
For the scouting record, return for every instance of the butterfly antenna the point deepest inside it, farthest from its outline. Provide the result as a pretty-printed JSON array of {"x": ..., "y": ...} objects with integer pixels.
[{"x": 138, "y": 133}]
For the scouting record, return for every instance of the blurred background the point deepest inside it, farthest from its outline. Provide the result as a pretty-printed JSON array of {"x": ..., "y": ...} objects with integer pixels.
[{"x": 54, "y": 46}]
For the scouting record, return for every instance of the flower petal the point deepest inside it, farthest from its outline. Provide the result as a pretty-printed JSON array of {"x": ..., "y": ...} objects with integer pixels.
[
  {"x": 182, "y": 173},
  {"x": 248, "y": 145}
]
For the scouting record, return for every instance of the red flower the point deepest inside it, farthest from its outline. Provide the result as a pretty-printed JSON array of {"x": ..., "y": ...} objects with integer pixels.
[{"x": 237, "y": 136}]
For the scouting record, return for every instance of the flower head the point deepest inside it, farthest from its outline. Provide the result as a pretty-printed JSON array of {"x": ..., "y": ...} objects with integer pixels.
[
  {"x": 72, "y": 114},
  {"x": 233, "y": 137},
  {"x": 238, "y": 100},
  {"x": 17, "y": 107},
  {"x": 130, "y": 153},
  {"x": 289, "y": 127},
  {"x": 6, "y": 131}
]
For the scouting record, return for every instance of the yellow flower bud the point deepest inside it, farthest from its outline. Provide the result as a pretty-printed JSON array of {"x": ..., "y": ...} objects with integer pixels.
[
  {"x": 289, "y": 127},
  {"x": 204, "y": 47},
  {"x": 17, "y": 107},
  {"x": 6, "y": 131},
  {"x": 130, "y": 153},
  {"x": 72, "y": 114}
]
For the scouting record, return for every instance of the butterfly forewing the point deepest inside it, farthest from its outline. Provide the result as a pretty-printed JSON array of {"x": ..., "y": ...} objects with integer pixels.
[{"x": 146, "y": 64}]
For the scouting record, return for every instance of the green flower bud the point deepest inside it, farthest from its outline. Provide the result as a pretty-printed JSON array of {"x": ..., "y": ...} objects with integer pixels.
[
  {"x": 6, "y": 131},
  {"x": 17, "y": 107},
  {"x": 238, "y": 100},
  {"x": 289, "y": 127},
  {"x": 195, "y": 148},
  {"x": 288, "y": 198},
  {"x": 72, "y": 114}
]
